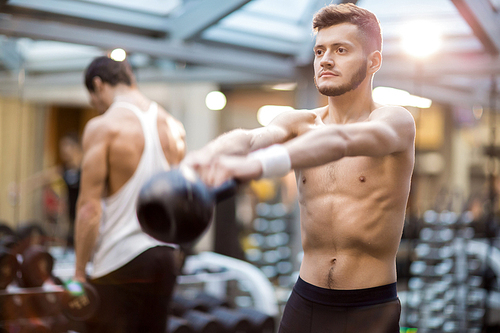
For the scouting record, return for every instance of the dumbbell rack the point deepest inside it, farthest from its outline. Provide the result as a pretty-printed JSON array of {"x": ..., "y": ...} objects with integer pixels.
[
  {"x": 34, "y": 308},
  {"x": 22, "y": 305},
  {"x": 241, "y": 285},
  {"x": 270, "y": 242},
  {"x": 214, "y": 273},
  {"x": 445, "y": 293}
]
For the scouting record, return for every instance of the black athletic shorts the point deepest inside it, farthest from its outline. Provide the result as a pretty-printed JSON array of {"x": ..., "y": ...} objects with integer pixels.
[
  {"x": 135, "y": 297},
  {"x": 312, "y": 309}
]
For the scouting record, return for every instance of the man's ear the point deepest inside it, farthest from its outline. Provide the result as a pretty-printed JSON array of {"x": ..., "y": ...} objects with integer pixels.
[
  {"x": 97, "y": 83},
  {"x": 374, "y": 62}
]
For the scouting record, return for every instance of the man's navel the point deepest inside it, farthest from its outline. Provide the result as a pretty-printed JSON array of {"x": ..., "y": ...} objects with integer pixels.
[{"x": 330, "y": 281}]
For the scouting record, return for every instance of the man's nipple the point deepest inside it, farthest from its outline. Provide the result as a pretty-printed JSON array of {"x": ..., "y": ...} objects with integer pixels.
[{"x": 362, "y": 179}]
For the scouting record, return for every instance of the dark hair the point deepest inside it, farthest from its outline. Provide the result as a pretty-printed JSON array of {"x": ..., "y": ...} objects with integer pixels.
[
  {"x": 366, "y": 21},
  {"x": 110, "y": 71}
]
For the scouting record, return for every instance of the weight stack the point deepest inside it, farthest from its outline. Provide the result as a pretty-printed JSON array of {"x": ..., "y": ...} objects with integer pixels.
[
  {"x": 444, "y": 288},
  {"x": 269, "y": 240}
]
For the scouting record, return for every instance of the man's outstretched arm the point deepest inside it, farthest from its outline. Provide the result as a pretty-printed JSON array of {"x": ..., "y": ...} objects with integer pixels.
[
  {"x": 389, "y": 130},
  {"x": 240, "y": 142}
]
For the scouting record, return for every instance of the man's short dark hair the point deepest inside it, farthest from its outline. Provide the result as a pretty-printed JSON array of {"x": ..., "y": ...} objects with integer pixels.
[
  {"x": 366, "y": 21},
  {"x": 110, "y": 71}
]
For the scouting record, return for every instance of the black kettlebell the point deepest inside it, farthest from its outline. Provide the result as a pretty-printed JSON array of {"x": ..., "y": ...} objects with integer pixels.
[{"x": 175, "y": 206}]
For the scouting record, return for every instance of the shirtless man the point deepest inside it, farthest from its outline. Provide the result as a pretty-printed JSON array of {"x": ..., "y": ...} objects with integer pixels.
[
  {"x": 353, "y": 161},
  {"x": 131, "y": 140}
]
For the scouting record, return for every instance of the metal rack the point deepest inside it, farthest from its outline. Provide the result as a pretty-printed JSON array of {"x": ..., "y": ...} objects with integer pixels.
[{"x": 446, "y": 291}]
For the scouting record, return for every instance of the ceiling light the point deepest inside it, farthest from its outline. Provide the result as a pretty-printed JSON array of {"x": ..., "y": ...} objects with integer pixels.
[
  {"x": 285, "y": 86},
  {"x": 268, "y": 112},
  {"x": 215, "y": 100},
  {"x": 421, "y": 39},
  {"x": 118, "y": 55},
  {"x": 392, "y": 96}
]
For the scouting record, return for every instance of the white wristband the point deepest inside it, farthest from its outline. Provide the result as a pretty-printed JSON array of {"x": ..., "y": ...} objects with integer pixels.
[{"x": 275, "y": 161}]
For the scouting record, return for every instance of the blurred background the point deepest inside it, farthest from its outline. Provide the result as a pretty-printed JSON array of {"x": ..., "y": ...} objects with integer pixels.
[{"x": 217, "y": 65}]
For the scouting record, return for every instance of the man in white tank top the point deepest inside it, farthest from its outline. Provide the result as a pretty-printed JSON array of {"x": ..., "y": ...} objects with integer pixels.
[{"x": 131, "y": 140}]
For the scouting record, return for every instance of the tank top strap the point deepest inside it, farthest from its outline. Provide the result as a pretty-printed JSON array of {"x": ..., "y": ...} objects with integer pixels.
[
  {"x": 148, "y": 120},
  {"x": 138, "y": 112},
  {"x": 152, "y": 123},
  {"x": 152, "y": 112}
]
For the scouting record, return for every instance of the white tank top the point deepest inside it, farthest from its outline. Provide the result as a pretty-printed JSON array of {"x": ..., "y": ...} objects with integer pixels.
[{"x": 120, "y": 236}]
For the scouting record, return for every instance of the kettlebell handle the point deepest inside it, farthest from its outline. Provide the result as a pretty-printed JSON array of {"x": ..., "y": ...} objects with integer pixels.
[{"x": 225, "y": 190}]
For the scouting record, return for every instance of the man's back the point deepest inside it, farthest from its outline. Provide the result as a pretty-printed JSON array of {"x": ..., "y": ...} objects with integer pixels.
[{"x": 125, "y": 141}]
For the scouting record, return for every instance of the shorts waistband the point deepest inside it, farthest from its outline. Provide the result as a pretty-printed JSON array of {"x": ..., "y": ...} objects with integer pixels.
[{"x": 338, "y": 297}]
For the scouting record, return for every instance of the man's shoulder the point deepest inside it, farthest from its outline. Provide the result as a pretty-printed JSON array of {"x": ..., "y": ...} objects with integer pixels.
[
  {"x": 99, "y": 123},
  {"x": 393, "y": 112},
  {"x": 300, "y": 116},
  {"x": 400, "y": 120},
  {"x": 99, "y": 128},
  {"x": 394, "y": 109}
]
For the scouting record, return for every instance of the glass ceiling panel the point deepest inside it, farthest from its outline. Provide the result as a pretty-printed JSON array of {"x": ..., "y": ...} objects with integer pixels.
[
  {"x": 394, "y": 14},
  {"x": 288, "y": 10},
  {"x": 159, "y": 7},
  {"x": 34, "y": 51}
]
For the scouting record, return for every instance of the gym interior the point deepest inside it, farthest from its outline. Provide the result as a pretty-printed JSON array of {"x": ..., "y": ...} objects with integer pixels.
[{"x": 218, "y": 65}]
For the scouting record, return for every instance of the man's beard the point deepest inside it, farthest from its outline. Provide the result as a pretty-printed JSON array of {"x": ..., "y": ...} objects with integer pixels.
[{"x": 356, "y": 80}]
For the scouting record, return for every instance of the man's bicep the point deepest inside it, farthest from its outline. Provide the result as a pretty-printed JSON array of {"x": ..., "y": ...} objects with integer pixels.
[
  {"x": 383, "y": 134},
  {"x": 284, "y": 127},
  {"x": 398, "y": 121}
]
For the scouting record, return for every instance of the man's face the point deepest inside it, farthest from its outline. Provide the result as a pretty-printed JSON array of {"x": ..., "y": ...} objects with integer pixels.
[
  {"x": 340, "y": 64},
  {"x": 66, "y": 150}
]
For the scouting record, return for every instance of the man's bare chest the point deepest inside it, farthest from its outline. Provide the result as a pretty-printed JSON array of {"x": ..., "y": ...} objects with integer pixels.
[
  {"x": 346, "y": 170},
  {"x": 350, "y": 176}
]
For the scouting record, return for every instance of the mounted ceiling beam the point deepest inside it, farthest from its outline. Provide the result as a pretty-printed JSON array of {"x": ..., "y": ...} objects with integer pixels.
[
  {"x": 437, "y": 93},
  {"x": 272, "y": 66},
  {"x": 472, "y": 66},
  {"x": 89, "y": 11},
  {"x": 484, "y": 20},
  {"x": 68, "y": 88},
  {"x": 248, "y": 40},
  {"x": 144, "y": 75},
  {"x": 200, "y": 16},
  {"x": 9, "y": 57},
  {"x": 443, "y": 79}
]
